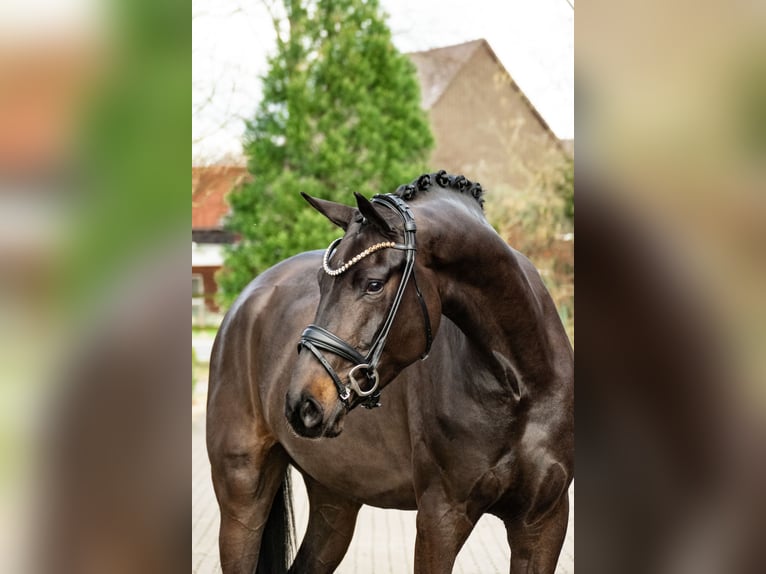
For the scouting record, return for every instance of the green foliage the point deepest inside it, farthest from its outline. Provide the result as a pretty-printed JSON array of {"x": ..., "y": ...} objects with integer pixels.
[
  {"x": 565, "y": 188},
  {"x": 340, "y": 113},
  {"x": 132, "y": 150}
]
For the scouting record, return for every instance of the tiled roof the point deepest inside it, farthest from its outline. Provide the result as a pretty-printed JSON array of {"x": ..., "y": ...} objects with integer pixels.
[{"x": 210, "y": 185}]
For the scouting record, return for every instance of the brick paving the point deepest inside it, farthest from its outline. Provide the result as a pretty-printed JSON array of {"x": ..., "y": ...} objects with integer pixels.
[{"x": 384, "y": 540}]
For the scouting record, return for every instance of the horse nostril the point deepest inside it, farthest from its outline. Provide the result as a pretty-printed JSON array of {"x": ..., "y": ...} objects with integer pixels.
[
  {"x": 289, "y": 407},
  {"x": 310, "y": 412}
]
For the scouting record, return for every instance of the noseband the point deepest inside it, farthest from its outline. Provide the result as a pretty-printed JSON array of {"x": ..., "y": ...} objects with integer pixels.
[{"x": 363, "y": 377}]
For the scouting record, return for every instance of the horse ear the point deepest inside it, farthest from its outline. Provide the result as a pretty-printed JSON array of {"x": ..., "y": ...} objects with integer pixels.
[
  {"x": 370, "y": 213},
  {"x": 338, "y": 213}
]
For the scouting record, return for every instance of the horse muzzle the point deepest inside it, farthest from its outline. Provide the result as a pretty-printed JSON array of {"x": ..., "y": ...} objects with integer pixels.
[{"x": 312, "y": 407}]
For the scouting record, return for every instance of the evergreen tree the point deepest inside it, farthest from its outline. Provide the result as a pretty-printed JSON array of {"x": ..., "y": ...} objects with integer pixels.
[{"x": 340, "y": 112}]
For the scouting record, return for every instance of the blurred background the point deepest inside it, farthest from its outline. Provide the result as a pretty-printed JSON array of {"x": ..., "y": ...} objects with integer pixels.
[
  {"x": 671, "y": 275},
  {"x": 94, "y": 128}
]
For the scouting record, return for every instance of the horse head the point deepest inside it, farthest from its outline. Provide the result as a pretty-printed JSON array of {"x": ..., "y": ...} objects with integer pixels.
[{"x": 378, "y": 312}]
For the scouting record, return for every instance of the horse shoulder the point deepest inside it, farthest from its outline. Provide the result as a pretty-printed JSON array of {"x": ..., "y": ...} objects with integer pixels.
[{"x": 242, "y": 357}]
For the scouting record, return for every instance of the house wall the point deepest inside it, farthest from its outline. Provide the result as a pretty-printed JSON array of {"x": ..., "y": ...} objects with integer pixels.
[{"x": 486, "y": 130}]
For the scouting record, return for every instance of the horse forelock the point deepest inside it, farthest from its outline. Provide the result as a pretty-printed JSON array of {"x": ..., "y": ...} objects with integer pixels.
[{"x": 441, "y": 180}]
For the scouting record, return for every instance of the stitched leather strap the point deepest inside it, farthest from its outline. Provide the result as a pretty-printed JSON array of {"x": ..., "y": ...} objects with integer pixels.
[{"x": 327, "y": 341}]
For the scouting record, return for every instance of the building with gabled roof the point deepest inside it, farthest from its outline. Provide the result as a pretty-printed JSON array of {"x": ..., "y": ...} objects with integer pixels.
[{"x": 483, "y": 124}]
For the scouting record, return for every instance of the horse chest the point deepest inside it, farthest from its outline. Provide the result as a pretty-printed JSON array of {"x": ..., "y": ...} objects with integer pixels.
[{"x": 370, "y": 462}]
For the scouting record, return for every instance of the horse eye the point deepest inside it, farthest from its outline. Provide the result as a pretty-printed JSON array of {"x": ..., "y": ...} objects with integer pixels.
[{"x": 374, "y": 286}]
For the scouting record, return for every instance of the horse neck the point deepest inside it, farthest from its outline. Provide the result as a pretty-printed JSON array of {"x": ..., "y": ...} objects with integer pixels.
[{"x": 497, "y": 298}]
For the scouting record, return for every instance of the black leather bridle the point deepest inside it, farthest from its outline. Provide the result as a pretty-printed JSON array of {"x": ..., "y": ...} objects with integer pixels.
[{"x": 317, "y": 339}]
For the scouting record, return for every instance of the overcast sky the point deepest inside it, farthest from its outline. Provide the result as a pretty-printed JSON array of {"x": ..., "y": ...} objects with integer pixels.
[{"x": 534, "y": 40}]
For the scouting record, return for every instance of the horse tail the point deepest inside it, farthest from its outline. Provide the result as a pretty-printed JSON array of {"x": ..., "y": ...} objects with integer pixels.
[{"x": 278, "y": 541}]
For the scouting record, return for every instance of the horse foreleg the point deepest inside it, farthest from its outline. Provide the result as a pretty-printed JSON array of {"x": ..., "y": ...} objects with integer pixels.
[
  {"x": 535, "y": 546},
  {"x": 330, "y": 529},
  {"x": 245, "y": 482},
  {"x": 442, "y": 529}
]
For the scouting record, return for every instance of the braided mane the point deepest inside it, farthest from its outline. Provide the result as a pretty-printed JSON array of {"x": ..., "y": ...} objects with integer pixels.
[{"x": 441, "y": 178}]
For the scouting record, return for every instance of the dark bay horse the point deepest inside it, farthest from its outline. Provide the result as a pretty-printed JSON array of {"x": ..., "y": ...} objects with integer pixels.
[{"x": 484, "y": 424}]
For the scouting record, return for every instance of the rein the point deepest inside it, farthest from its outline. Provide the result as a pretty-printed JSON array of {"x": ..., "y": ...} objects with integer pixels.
[{"x": 363, "y": 377}]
